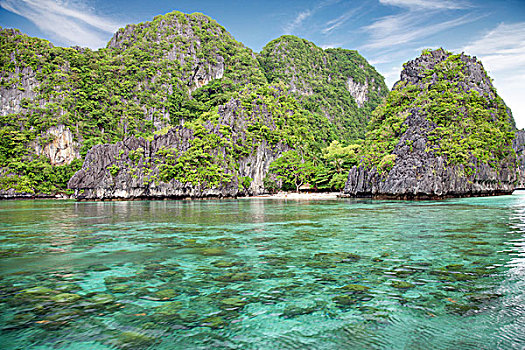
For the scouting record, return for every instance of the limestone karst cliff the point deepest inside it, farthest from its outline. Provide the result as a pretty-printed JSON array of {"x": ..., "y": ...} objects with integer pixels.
[
  {"x": 225, "y": 156},
  {"x": 176, "y": 71},
  {"x": 443, "y": 131}
]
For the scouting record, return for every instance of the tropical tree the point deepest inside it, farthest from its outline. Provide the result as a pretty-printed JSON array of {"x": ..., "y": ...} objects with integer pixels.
[
  {"x": 292, "y": 169},
  {"x": 338, "y": 160}
]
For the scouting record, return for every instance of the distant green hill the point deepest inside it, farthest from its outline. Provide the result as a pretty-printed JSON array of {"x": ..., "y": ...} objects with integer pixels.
[{"x": 336, "y": 85}]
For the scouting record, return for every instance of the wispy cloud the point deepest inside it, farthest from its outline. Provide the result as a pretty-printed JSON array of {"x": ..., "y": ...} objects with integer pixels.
[
  {"x": 339, "y": 21},
  {"x": 305, "y": 14},
  {"x": 502, "y": 48},
  {"x": 416, "y": 19},
  {"x": 72, "y": 24},
  {"x": 502, "y": 51},
  {"x": 427, "y": 4},
  {"x": 400, "y": 29},
  {"x": 299, "y": 19}
]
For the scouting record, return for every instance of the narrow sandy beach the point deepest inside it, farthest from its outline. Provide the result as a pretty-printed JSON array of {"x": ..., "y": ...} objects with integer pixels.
[{"x": 299, "y": 196}]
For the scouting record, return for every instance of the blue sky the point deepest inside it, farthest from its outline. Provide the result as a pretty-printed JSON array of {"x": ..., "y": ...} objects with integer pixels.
[{"x": 386, "y": 32}]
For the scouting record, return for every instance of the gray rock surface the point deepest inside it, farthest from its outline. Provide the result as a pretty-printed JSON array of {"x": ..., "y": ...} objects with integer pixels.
[
  {"x": 62, "y": 149},
  {"x": 418, "y": 172},
  {"x": 358, "y": 91},
  {"x": 202, "y": 70},
  {"x": 519, "y": 147}
]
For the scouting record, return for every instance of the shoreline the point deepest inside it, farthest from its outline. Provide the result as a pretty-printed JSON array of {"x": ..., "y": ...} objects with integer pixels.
[
  {"x": 297, "y": 196},
  {"x": 278, "y": 196}
]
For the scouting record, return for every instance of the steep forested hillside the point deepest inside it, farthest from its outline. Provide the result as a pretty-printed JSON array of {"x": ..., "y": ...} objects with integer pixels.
[
  {"x": 175, "y": 71},
  {"x": 334, "y": 84},
  {"x": 138, "y": 85}
]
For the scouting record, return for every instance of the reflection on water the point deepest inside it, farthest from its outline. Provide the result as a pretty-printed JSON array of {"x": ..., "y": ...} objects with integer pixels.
[{"x": 263, "y": 274}]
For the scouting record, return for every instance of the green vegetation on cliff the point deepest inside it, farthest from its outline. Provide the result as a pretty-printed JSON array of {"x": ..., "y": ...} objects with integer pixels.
[
  {"x": 140, "y": 83},
  {"x": 337, "y": 85},
  {"x": 468, "y": 123},
  {"x": 266, "y": 115},
  {"x": 175, "y": 70}
]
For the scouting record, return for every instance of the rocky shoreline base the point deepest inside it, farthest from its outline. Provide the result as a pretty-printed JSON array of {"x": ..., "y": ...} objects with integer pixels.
[
  {"x": 279, "y": 196},
  {"x": 299, "y": 196}
]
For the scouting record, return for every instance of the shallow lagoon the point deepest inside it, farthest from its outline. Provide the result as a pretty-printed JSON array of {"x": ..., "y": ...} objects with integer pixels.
[{"x": 263, "y": 274}]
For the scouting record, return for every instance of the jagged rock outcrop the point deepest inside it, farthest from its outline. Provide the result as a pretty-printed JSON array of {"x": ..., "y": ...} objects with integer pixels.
[
  {"x": 358, "y": 90},
  {"x": 443, "y": 132},
  {"x": 201, "y": 48},
  {"x": 519, "y": 146},
  {"x": 139, "y": 169},
  {"x": 62, "y": 149},
  {"x": 141, "y": 83},
  {"x": 11, "y": 96}
]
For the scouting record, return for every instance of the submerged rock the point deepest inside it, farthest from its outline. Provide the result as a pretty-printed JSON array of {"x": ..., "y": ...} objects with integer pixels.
[
  {"x": 65, "y": 298},
  {"x": 102, "y": 298},
  {"x": 169, "y": 309},
  {"x": 225, "y": 263},
  {"x": 214, "y": 322},
  {"x": 38, "y": 291},
  {"x": 402, "y": 284},
  {"x": 346, "y": 300},
  {"x": 166, "y": 294},
  {"x": 461, "y": 308},
  {"x": 294, "y": 311},
  {"x": 337, "y": 257},
  {"x": 119, "y": 288},
  {"x": 355, "y": 288},
  {"x": 234, "y": 277},
  {"x": 134, "y": 340},
  {"x": 212, "y": 251},
  {"x": 232, "y": 303}
]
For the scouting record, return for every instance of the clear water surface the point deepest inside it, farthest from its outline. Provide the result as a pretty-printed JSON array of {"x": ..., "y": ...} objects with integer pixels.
[{"x": 263, "y": 274}]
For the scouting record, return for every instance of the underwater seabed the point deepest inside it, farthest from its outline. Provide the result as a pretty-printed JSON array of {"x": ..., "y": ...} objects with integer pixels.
[{"x": 263, "y": 274}]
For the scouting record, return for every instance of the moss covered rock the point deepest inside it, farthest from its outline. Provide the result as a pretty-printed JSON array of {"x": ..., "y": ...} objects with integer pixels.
[{"x": 65, "y": 298}]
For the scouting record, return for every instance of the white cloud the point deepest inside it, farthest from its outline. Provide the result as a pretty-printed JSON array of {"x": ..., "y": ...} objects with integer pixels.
[
  {"x": 427, "y": 4},
  {"x": 502, "y": 48},
  {"x": 416, "y": 20},
  {"x": 70, "y": 23},
  {"x": 339, "y": 21},
  {"x": 331, "y": 45},
  {"x": 404, "y": 28},
  {"x": 502, "y": 51},
  {"x": 297, "y": 22},
  {"x": 299, "y": 19}
]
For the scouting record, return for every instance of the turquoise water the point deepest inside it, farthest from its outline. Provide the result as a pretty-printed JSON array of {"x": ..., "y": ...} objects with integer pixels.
[{"x": 263, "y": 274}]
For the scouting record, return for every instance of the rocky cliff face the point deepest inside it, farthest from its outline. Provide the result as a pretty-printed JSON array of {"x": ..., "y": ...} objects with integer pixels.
[
  {"x": 359, "y": 91},
  {"x": 443, "y": 132},
  {"x": 519, "y": 146},
  {"x": 177, "y": 71},
  {"x": 11, "y": 96},
  {"x": 185, "y": 162},
  {"x": 62, "y": 148},
  {"x": 141, "y": 83},
  {"x": 201, "y": 49}
]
